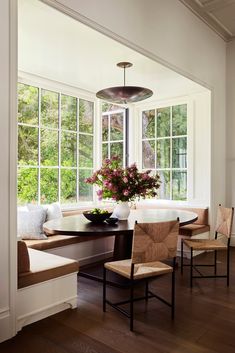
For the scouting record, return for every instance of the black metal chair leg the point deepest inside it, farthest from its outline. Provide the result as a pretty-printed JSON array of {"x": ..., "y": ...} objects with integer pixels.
[
  {"x": 215, "y": 262},
  {"x": 131, "y": 305},
  {"x": 191, "y": 268},
  {"x": 104, "y": 289},
  {"x": 173, "y": 295},
  {"x": 182, "y": 257},
  {"x": 146, "y": 290},
  {"x": 228, "y": 272}
]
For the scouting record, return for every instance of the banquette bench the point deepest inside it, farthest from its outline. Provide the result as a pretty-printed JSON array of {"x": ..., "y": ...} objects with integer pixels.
[{"x": 47, "y": 284}]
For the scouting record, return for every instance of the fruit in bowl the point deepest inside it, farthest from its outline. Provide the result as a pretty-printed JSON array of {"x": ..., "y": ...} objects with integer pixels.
[{"x": 97, "y": 215}]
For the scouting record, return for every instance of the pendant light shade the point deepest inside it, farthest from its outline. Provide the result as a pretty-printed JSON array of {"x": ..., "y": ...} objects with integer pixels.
[{"x": 124, "y": 94}]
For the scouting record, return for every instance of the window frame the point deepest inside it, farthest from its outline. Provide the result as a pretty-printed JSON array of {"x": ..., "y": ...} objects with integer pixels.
[
  {"x": 190, "y": 141},
  {"x": 60, "y": 89},
  {"x": 124, "y": 141}
]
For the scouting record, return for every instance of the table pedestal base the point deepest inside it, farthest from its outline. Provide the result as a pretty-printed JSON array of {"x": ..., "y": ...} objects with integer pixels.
[{"x": 122, "y": 250}]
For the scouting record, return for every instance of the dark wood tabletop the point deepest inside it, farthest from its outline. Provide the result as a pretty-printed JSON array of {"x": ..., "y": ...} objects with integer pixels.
[{"x": 80, "y": 226}]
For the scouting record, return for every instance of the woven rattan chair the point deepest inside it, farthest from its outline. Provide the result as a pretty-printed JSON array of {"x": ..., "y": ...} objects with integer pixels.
[
  {"x": 223, "y": 228},
  {"x": 152, "y": 244}
]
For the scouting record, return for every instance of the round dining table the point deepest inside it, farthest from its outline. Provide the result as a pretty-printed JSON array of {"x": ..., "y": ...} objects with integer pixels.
[{"x": 78, "y": 225}]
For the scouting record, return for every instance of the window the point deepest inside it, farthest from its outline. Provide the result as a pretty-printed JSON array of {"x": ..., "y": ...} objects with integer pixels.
[
  {"x": 114, "y": 132},
  {"x": 164, "y": 148},
  {"x": 55, "y": 146}
]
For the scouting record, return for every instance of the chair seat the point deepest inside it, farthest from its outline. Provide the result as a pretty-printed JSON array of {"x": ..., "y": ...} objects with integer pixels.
[
  {"x": 204, "y": 244},
  {"x": 123, "y": 268}
]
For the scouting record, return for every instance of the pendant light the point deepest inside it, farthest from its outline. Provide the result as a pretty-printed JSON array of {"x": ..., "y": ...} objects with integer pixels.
[{"x": 124, "y": 94}]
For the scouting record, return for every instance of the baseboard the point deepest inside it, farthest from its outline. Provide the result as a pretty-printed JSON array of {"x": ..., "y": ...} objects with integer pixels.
[
  {"x": 42, "y": 313},
  {"x": 5, "y": 325},
  {"x": 95, "y": 258}
]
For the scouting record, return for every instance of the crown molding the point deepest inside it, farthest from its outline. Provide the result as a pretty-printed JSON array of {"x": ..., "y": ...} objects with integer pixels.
[{"x": 209, "y": 20}]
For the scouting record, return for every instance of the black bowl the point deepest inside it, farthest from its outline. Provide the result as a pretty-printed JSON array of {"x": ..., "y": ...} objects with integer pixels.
[
  {"x": 96, "y": 218},
  {"x": 112, "y": 220}
]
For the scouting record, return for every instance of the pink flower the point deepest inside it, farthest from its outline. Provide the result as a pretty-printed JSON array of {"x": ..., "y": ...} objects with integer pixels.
[
  {"x": 114, "y": 188},
  {"x": 125, "y": 192},
  {"x": 125, "y": 180},
  {"x": 110, "y": 186},
  {"x": 115, "y": 158},
  {"x": 116, "y": 172},
  {"x": 145, "y": 176},
  {"x": 100, "y": 193},
  {"x": 106, "y": 183}
]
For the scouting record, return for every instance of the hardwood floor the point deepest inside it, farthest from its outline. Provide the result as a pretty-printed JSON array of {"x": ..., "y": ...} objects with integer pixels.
[{"x": 204, "y": 321}]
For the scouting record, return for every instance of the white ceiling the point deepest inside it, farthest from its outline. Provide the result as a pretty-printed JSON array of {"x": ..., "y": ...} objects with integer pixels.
[
  {"x": 57, "y": 47},
  {"x": 218, "y": 14}
]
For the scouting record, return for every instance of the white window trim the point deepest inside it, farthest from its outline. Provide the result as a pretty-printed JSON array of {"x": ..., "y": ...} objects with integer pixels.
[
  {"x": 52, "y": 85},
  {"x": 190, "y": 139},
  {"x": 109, "y": 141}
]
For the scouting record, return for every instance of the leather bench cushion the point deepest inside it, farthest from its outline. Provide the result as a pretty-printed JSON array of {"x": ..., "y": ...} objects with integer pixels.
[
  {"x": 53, "y": 241},
  {"x": 44, "y": 267},
  {"x": 23, "y": 257},
  {"x": 56, "y": 241},
  {"x": 193, "y": 229}
]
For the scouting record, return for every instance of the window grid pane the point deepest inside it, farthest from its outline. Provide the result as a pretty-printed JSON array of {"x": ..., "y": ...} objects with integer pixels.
[
  {"x": 164, "y": 148},
  {"x": 49, "y": 139},
  {"x": 113, "y": 132},
  {"x": 49, "y": 108}
]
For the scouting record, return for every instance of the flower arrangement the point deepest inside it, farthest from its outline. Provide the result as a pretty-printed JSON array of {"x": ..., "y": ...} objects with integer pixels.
[{"x": 123, "y": 184}]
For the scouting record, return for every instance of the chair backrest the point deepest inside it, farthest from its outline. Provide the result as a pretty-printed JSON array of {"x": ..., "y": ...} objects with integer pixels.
[
  {"x": 224, "y": 221},
  {"x": 154, "y": 241}
]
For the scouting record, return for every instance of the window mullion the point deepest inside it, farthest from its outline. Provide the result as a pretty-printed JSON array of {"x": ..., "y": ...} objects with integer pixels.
[
  {"x": 59, "y": 147},
  {"x": 77, "y": 139},
  {"x": 155, "y": 159},
  {"x": 171, "y": 156},
  {"x": 109, "y": 134},
  {"x": 39, "y": 145}
]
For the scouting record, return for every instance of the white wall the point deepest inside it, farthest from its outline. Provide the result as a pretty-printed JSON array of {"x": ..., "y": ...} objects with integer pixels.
[
  {"x": 201, "y": 149},
  {"x": 230, "y": 186},
  {"x": 168, "y": 32},
  {"x": 7, "y": 247}
]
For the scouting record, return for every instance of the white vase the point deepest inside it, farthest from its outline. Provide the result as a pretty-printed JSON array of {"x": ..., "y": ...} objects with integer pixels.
[{"x": 122, "y": 211}]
